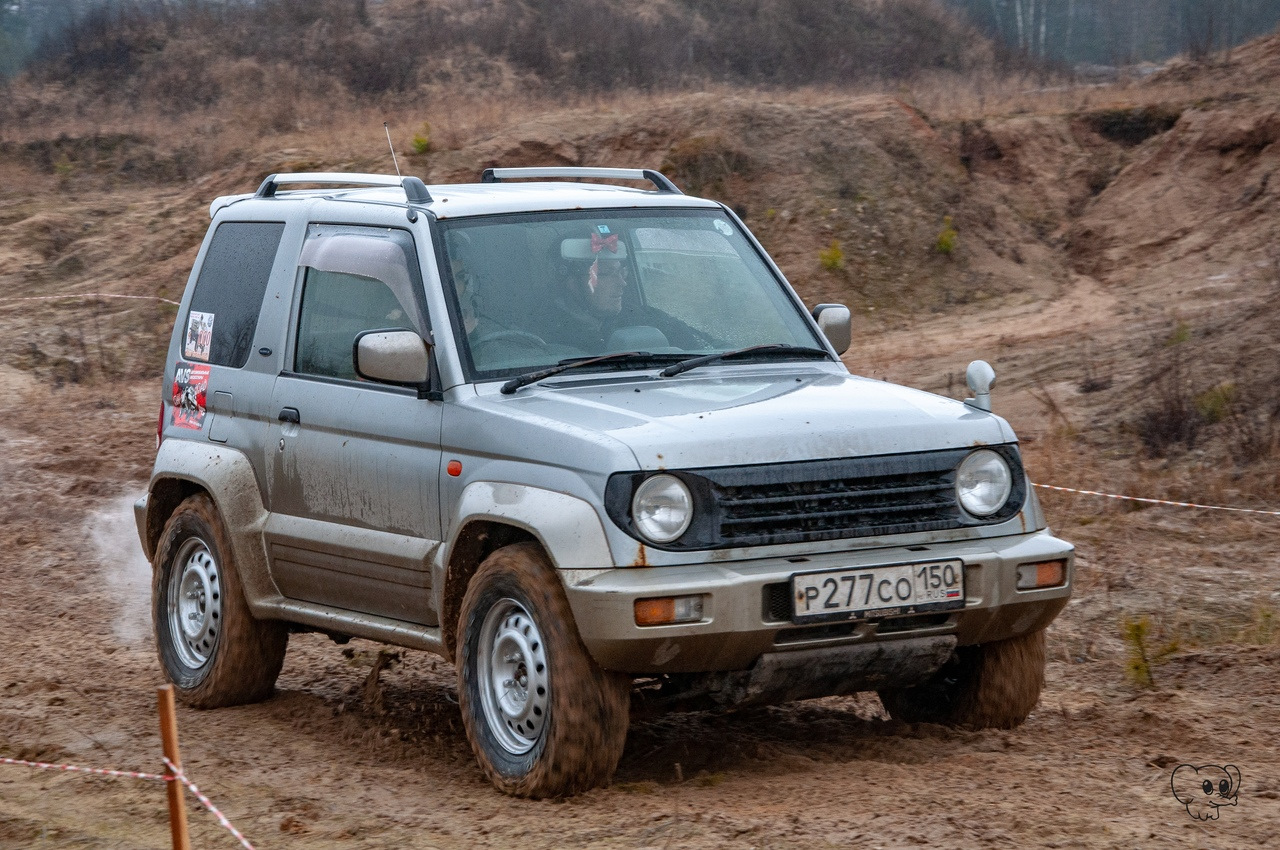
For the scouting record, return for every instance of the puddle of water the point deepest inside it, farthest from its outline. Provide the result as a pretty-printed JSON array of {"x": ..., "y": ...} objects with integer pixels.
[{"x": 125, "y": 571}]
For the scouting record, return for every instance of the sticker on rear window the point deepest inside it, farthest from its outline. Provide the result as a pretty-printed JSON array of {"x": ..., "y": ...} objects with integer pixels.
[
  {"x": 190, "y": 387},
  {"x": 199, "y": 336}
]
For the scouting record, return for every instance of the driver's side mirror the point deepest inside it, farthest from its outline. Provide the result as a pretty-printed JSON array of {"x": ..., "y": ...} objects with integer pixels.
[
  {"x": 392, "y": 357},
  {"x": 833, "y": 320}
]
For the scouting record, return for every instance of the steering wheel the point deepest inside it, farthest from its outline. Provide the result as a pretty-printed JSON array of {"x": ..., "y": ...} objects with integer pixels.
[
  {"x": 510, "y": 335},
  {"x": 500, "y": 345}
]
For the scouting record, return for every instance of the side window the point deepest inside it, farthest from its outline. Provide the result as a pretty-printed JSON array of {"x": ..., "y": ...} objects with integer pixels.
[
  {"x": 352, "y": 283},
  {"x": 335, "y": 308},
  {"x": 224, "y": 308}
]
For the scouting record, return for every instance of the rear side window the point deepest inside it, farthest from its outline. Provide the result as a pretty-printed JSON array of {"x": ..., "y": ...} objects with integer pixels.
[{"x": 228, "y": 295}]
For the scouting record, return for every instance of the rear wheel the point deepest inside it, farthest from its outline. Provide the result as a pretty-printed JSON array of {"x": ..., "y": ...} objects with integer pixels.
[
  {"x": 989, "y": 686},
  {"x": 542, "y": 718},
  {"x": 211, "y": 648}
]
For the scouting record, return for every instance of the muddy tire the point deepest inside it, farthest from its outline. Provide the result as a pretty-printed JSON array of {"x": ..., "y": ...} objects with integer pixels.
[
  {"x": 211, "y": 648},
  {"x": 990, "y": 686},
  {"x": 542, "y": 718}
]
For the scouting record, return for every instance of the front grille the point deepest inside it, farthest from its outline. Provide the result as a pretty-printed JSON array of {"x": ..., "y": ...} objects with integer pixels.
[
  {"x": 821, "y": 500},
  {"x": 846, "y": 505}
]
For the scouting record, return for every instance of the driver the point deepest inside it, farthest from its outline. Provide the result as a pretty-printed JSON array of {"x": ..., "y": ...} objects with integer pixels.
[{"x": 594, "y": 279}]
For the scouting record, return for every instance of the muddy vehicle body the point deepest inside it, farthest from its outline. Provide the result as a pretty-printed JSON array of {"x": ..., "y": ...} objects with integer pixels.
[{"x": 585, "y": 442}]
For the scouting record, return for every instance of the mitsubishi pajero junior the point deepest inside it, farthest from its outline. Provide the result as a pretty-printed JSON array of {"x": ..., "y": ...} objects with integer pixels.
[{"x": 585, "y": 442}]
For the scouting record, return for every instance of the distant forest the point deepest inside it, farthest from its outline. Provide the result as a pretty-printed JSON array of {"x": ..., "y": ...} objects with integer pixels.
[
  {"x": 178, "y": 49},
  {"x": 1121, "y": 32},
  {"x": 604, "y": 44}
]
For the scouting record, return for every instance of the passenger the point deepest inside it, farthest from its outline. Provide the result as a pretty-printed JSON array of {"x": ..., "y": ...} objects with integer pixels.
[{"x": 594, "y": 281}]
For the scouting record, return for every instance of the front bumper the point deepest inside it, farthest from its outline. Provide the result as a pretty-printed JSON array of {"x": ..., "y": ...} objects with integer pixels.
[{"x": 738, "y": 626}]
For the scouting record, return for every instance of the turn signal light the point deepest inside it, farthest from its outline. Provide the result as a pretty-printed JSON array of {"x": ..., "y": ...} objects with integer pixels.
[
  {"x": 668, "y": 610},
  {"x": 1043, "y": 574}
]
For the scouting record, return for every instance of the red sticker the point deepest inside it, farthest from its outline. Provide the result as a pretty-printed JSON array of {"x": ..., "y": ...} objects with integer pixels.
[
  {"x": 199, "y": 336},
  {"x": 190, "y": 385}
]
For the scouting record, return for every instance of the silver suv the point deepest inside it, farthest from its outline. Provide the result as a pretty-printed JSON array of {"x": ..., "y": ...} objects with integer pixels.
[{"x": 585, "y": 442}]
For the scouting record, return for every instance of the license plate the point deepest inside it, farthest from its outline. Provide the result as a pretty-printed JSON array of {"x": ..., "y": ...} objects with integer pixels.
[{"x": 878, "y": 591}]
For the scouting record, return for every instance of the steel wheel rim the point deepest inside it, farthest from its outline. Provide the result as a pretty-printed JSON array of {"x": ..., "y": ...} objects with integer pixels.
[
  {"x": 515, "y": 692},
  {"x": 195, "y": 604}
]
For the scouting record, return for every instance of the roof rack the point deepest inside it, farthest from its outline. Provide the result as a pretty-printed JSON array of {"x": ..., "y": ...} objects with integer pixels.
[
  {"x": 657, "y": 178},
  {"x": 415, "y": 190}
]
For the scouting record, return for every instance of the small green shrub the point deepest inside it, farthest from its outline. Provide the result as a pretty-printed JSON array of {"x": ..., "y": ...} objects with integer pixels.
[
  {"x": 1143, "y": 659},
  {"x": 832, "y": 257},
  {"x": 1264, "y": 630},
  {"x": 1214, "y": 404},
  {"x": 710, "y": 780},
  {"x": 1180, "y": 334},
  {"x": 946, "y": 241},
  {"x": 422, "y": 139}
]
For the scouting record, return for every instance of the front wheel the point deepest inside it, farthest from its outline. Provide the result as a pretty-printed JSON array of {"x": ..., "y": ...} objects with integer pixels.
[
  {"x": 542, "y": 718},
  {"x": 211, "y": 647},
  {"x": 989, "y": 686}
]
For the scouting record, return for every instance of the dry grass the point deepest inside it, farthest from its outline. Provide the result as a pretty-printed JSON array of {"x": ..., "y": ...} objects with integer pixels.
[
  {"x": 338, "y": 127},
  {"x": 332, "y": 131},
  {"x": 948, "y": 96}
]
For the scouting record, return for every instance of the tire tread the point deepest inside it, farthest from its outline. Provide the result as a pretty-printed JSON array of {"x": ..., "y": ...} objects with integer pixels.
[{"x": 587, "y": 729}]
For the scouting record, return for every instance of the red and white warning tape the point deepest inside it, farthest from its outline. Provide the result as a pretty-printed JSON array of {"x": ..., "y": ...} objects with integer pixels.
[
  {"x": 1157, "y": 501},
  {"x": 86, "y": 295},
  {"x": 222, "y": 819},
  {"x": 94, "y": 770},
  {"x": 177, "y": 775}
]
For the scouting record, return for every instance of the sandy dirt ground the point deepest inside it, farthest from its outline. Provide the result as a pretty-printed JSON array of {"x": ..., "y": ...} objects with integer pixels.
[
  {"x": 334, "y": 760},
  {"x": 337, "y": 759}
]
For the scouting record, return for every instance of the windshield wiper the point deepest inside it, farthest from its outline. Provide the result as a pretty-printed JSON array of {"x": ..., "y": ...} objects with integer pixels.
[
  {"x": 771, "y": 350},
  {"x": 574, "y": 363}
]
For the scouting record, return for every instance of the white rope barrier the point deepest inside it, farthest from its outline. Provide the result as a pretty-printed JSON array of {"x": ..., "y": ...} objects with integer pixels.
[
  {"x": 222, "y": 819},
  {"x": 84, "y": 296},
  {"x": 177, "y": 776},
  {"x": 1157, "y": 501},
  {"x": 98, "y": 771}
]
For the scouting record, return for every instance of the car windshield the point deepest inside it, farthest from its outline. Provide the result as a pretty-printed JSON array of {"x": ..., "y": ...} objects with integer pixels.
[{"x": 530, "y": 291}]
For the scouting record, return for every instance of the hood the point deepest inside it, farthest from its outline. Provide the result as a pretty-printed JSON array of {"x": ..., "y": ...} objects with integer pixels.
[{"x": 746, "y": 415}]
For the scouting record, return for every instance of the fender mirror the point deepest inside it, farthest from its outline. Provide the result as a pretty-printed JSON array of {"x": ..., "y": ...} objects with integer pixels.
[
  {"x": 980, "y": 377},
  {"x": 833, "y": 320},
  {"x": 392, "y": 357}
]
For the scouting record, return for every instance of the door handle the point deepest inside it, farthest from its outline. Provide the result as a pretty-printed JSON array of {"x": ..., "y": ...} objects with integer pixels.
[{"x": 290, "y": 414}]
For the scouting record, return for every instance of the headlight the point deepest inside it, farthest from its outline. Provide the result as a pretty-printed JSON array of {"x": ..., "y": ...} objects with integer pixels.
[
  {"x": 662, "y": 508},
  {"x": 983, "y": 483}
]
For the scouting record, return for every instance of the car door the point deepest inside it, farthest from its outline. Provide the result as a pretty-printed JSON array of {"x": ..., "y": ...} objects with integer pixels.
[{"x": 353, "y": 490}]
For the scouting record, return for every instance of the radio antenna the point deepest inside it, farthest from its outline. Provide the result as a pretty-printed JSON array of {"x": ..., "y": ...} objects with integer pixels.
[{"x": 394, "y": 161}]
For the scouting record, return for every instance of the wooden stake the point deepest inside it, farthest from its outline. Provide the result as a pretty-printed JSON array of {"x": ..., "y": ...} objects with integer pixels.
[{"x": 169, "y": 737}]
